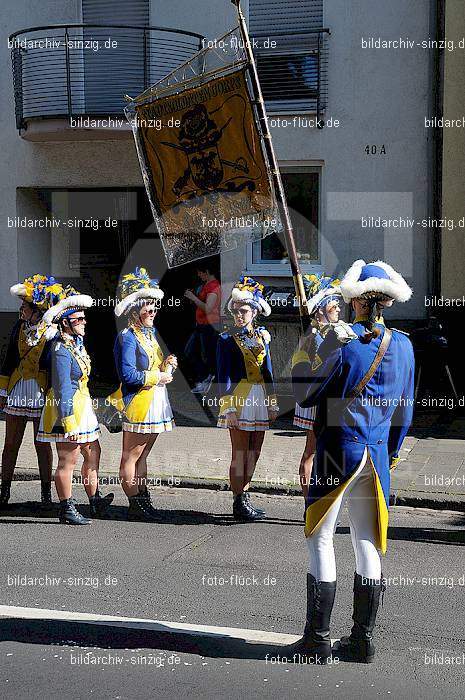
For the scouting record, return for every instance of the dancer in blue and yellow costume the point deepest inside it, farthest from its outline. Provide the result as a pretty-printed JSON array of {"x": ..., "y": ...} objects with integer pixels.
[
  {"x": 364, "y": 392},
  {"x": 144, "y": 373},
  {"x": 323, "y": 303},
  {"x": 23, "y": 380},
  {"x": 245, "y": 381},
  {"x": 68, "y": 418}
]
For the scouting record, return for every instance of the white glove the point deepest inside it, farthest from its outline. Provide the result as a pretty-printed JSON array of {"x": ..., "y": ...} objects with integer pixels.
[{"x": 344, "y": 332}]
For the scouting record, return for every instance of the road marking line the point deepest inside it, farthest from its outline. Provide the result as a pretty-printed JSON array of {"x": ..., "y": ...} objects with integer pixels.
[{"x": 135, "y": 623}]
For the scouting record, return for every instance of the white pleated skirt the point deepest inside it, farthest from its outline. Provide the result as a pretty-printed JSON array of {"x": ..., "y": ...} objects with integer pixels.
[
  {"x": 253, "y": 415},
  {"x": 304, "y": 417},
  {"x": 25, "y": 399},
  {"x": 159, "y": 418},
  {"x": 88, "y": 428}
]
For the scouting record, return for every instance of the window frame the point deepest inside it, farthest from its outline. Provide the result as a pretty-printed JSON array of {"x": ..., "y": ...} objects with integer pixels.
[
  {"x": 266, "y": 269},
  {"x": 288, "y": 106}
]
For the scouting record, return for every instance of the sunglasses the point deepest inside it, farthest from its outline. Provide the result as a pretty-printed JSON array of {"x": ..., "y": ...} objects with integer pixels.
[
  {"x": 78, "y": 319},
  {"x": 240, "y": 312}
]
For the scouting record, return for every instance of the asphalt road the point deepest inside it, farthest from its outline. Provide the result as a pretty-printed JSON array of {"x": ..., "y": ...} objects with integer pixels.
[{"x": 198, "y": 567}]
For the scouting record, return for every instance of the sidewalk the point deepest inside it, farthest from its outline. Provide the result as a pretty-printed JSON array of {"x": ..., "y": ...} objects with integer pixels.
[{"x": 432, "y": 473}]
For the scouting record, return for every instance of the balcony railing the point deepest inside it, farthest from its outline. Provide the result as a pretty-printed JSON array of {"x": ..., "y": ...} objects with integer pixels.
[
  {"x": 71, "y": 70},
  {"x": 293, "y": 73},
  {"x": 67, "y": 70}
]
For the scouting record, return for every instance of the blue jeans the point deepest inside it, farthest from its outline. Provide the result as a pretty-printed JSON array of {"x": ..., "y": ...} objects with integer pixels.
[{"x": 200, "y": 350}]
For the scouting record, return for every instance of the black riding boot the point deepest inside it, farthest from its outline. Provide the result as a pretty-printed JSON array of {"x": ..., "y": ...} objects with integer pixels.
[
  {"x": 99, "y": 504},
  {"x": 315, "y": 645},
  {"x": 260, "y": 511},
  {"x": 140, "y": 508},
  {"x": 359, "y": 645},
  {"x": 242, "y": 510},
  {"x": 46, "y": 494},
  {"x": 5, "y": 492},
  {"x": 69, "y": 515}
]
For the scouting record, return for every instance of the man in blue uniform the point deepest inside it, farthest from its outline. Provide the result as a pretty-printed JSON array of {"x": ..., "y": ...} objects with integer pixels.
[{"x": 364, "y": 392}]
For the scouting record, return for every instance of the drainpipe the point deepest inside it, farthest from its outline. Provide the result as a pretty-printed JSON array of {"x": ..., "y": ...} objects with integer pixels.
[{"x": 437, "y": 23}]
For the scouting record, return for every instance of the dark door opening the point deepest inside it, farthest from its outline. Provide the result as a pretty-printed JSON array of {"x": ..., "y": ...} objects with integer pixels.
[{"x": 100, "y": 254}]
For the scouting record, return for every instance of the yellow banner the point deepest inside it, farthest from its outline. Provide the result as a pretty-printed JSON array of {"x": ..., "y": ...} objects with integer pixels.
[{"x": 204, "y": 167}]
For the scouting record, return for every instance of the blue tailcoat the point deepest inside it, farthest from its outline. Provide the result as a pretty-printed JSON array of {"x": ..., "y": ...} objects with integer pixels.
[{"x": 377, "y": 420}]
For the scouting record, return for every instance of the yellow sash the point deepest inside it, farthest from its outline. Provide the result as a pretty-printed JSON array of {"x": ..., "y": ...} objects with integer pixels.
[{"x": 252, "y": 362}]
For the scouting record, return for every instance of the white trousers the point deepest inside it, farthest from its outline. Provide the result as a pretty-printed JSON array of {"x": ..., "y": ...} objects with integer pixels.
[{"x": 362, "y": 509}]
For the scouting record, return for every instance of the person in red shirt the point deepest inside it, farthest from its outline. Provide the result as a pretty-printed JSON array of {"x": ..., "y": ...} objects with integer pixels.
[{"x": 200, "y": 349}]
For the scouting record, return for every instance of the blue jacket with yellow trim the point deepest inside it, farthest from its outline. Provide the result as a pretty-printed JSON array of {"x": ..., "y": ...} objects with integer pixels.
[
  {"x": 231, "y": 369},
  {"x": 65, "y": 375},
  {"x": 132, "y": 365},
  {"x": 378, "y": 419},
  {"x": 12, "y": 359}
]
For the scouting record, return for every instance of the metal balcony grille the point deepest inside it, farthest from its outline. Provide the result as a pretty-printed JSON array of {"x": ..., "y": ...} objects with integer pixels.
[
  {"x": 85, "y": 69},
  {"x": 65, "y": 71}
]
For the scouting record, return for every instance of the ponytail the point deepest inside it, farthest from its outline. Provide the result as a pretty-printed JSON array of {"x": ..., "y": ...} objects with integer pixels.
[{"x": 374, "y": 311}]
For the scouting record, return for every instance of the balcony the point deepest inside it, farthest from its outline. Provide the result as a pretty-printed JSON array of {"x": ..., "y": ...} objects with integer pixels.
[
  {"x": 70, "y": 80},
  {"x": 293, "y": 72}
]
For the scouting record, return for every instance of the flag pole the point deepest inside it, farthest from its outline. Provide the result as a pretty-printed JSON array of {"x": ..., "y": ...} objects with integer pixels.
[{"x": 281, "y": 197}]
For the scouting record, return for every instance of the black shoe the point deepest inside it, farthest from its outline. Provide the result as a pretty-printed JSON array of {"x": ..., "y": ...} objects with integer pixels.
[
  {"x": 5, "y": 493},
  {"x": 242, "y": 510},
  {"x": 315, "y": 645},
  {"x": 144, "y": 494},
  {"x": 140, "y": 508},
  {"x": 359, "y": 645},
  {"x": 69, "y": 515},
  {"x": 46, "y": 495},
  {"x": 99, "y": 504},
  {"x": 260, "y": 511}
]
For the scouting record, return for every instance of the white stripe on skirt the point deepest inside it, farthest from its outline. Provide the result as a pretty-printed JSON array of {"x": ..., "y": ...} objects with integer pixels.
[
  {"x": 253, "y": 415},
  {"x": 159, "y": 418},
  {"x": 25, "y": 399},
  {"x": 304, "y": 417},
  {"x": 88, "y": 429}
]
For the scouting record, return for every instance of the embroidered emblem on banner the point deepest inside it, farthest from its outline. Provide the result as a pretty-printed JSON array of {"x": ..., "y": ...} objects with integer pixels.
[{"x": 204, "y": 168}]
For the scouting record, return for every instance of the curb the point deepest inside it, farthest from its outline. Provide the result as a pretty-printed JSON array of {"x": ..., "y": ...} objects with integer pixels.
[
  {"x": 417, "y": 499},
  {"x": 398, "y": 497}
]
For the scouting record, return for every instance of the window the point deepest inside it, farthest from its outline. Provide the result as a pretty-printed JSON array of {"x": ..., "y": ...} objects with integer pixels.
[
  {"x": 302, "y": 185},
  {"x": 290, "y": 72},
  {"x": 275, "y": 16},
  {"x": 285, "y": 78},
  {"x": 121, "y": 69}
]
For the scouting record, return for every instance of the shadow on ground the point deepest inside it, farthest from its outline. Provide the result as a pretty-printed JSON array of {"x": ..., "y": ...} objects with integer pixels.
[
  {"x": 420, "y": 534},
  {"x": 58, "y": 633},
  {"x": 30, "y": 512},
  {"x": 77, "y": 635}
]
